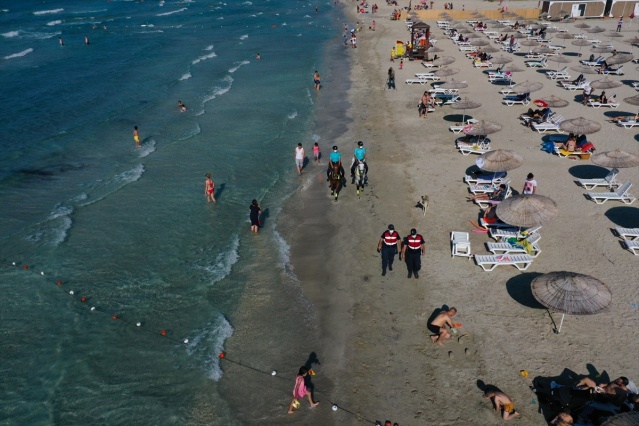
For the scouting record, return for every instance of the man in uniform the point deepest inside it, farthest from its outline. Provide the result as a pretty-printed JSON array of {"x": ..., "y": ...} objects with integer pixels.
[
  {"x": 359, "y": 156},
  {"x": 389, "y": 244},
  {"x": 412, "y": 250},
  {"x": 335, "y": 157}
]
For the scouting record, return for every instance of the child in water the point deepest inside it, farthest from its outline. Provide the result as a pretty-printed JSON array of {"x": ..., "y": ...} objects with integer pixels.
[{"x": 316, "y": 153}]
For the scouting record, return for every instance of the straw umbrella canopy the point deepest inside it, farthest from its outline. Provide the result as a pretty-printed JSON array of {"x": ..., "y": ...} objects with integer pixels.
[
  {"x": 464, "y": 31},
  {"x": 585, "y": 69},
  {"x": 519, "y": 35},
  {"x": 559, "y": 59},
  {"x": 445, "y": 72},
  {"x": 473, "y": 35},
  {"x": 511, "y": 68},
  {"x": 602, "y": 49},
  {"x": 465, "y": 104},
  {"x": 459, "y": 26},
  {"x": 499, "y": 25},
  {"x": 582, "y": 25},
  {"x": 501, "y": 60},
  {"x": 543, "y": 49},
  {"x": 484, "y": 128},
  {"x": 616, "y": 159},
  {"x": 490, "y": 49},
  {"x": 581, "y": 43},
  {"x": 444, "y": 60},
  {"x": 565, "y": 36},
  {"x": 613, "y": 35},
  {"x": 551, "y": 30},
  {"x": 630, "y": 418},
  {"x": 433, "y": 49},
  {"x": 527, "y": 87},
  {"x": 453, "y": 84},
  {"x": 580, "y": 126},
  {"x": 479, "y": 42},
  {"x": 634, "y": 40},
  {"x": 527, "y": 210},
  {"x": 570, "y": 293},
  {"x": 529, "y": 43},
  {"x": 606, "y": 83},
  {"x": 621, "y": 58},
  {"x": 500, "y": 160},
  {"x": 555, "y": 102},
  {"x": 595, "y": 30},
  {"x": 633, "y": 100}
]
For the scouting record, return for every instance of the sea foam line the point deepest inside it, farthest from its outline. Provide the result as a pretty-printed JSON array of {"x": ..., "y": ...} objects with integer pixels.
[
  {"x": 237, "y": 67},
  {"x": 219, "y": 90},
  {"x": 223, "y": 263},
  {"x": 11, "y": 34},
  {"x": 172, "y": 12},
  {"x": 204, "y": 58},
  {"x": 185, "y": 76},
  {"x": 19, "y": 54},
  {"x": 48, "y": 12},
  {"x": 108, "y": 186},
  {"x": 56, "y": 22},
  {"x": 208, "y": 343}
]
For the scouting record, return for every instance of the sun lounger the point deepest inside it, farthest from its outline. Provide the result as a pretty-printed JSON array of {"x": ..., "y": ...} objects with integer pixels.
[
  {"x": 467, "y": 48},
  {"x": 442, "y": 99},
  {"x": 436, "y": 90},
  {"x": 633, "y": 246},
  {"x": 494, "y": 178},
  {"x": 537, "y": 64},
  {"x": 458, "y": 129},
  {"x": 530, "y": 246},
  {"x": 628, "y": 124},
  {"x": 502, "y": 234},
  {"x": 635, "y": 85},
  {"x": 533, "y": 55},
  {"x": 615, "y": 71},
  {"x": 419, "y": 80},
  {"x": 484, "y": 204},
  {"x": 559, "y": 75},
  {"x": 610, "y": 181},
  {"x": 572, "y": 155},
  {"x": 570, "y": 86},
  {"x": 485, "y": 187},
  {"x": 490, "y": 262},
  {"x": 512, "y": 100},
  {"x": 611, "y": 103},
  {"x": 486, "y": 64},
  {"x": 427, "y": 76},
  {"x": 552, "y": 125},
  {"x": 597, "y": 62},
  {"x": 628, "y": 233},
  {"x": 621, "y": 194},
  {"x": 467, "y": 149}
]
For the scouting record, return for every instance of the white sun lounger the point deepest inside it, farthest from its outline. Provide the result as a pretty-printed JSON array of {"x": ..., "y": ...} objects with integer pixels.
[
  {"x": 628, "y": 233},
  {"x": 615, "y": 71},
  {"x": 501, "y": 234},
  {"x": 621, "y": 194},
  {"x": 419, "y": 80},
  {"x": 494, "y": 178},
  {"x": 597, "y": 62},
  {"x": 491, "y": 261},
  {"x": 480, "y": 64},
  {"x": 467, "y": 48},
  {"x": 508, "y": 248},
  {"x": 458, "y": 129},
  {"x": 609, "y": 181},
  {"x": 484, "y": 204},
  {"x": 427, "y": 76},
  {"x": 570, "y": 86},
  {"x": 467, "y": 149},
  {"x": 633, "y": 246},
  {"x": 609, "y": 104},
  {"x": 537, "y": 64},
  {"x": 510, "y": 101},
  {"x": 484, "y": 187},
  {"x": 628, "y": 124},
  {"x": 533, "y": 55},
  {"x": 548, "y": 125}
]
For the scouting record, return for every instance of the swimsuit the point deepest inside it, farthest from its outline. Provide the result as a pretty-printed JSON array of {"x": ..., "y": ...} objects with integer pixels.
[
  {"x": 136, "y": 138},
  {"x": 300, "y": 386},
  {"x": 434, "y": 328}
]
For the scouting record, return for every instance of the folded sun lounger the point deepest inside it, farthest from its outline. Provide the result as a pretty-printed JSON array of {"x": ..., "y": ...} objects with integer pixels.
[
  {"x": 628, "y": 233},
  {"x": 621, "y": 194},
  {"x": 609, "y": 181}
]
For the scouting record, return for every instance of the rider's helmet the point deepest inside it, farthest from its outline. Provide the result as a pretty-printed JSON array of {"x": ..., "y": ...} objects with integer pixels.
[{"x": 334, "y": 147}]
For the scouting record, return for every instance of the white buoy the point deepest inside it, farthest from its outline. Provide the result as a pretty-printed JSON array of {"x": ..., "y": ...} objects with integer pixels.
[
  {"x": 71, "y": 292},
  {"x": 186, "y": 340},
  {"x": 13, "y": 263},
  {"x": 93, "y": 308},
  {"x": 334, "y": 407},
  {"x": 273, "y": 373},
  {"x": 42, "y": 273},
  {"x": 138, "y": 324}
]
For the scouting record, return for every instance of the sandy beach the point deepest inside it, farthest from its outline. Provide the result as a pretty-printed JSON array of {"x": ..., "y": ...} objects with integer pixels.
[{"x": 377, "y": 360}]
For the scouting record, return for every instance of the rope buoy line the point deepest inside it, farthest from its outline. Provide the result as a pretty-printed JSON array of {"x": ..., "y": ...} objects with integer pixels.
[{"x": 164, "y": 333}]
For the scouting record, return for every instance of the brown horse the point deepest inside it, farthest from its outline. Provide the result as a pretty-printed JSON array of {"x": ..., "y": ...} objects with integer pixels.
[{"x": 335, "y": 178}]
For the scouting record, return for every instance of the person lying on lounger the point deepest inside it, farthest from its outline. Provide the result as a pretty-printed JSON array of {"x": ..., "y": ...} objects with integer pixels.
[
  {"x": 497, "y": 195},
  {"x": 625, "y": 118}
]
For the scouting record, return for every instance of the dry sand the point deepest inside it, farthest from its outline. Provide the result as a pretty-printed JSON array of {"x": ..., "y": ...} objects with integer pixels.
[{"x": 378, "y": 361}]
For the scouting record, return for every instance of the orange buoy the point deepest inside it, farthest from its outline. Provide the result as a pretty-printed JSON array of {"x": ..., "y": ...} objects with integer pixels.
[
  {"x": 26, "y": 266},
  {"x": 222, "y": 355},
  {"x": 114, "y": 317},
  {"x": 59, "y": 283},
  {"x": 83, "y": 300},
  {"x": 163, "y": 332},
  {"x": 274, "y": 26}
]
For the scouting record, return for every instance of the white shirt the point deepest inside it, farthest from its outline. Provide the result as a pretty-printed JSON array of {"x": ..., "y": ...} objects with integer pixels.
[
  {"x": 299, "y": 153},
  {"x": 529, "y": 186}
]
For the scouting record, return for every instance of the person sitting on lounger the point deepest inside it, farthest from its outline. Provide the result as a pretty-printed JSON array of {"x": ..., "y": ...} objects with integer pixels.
[
  {"x": 603, "y": 98},
  {"x": 490, "y": 214},
  {"x": 625, "y": 118},
  {"x": 497, "y": 195},
  {"x": 604, "y": 67},
  {"x": 578, "y": 80},
  {"x": 461, "y": 37},
  {"x": 537, "y": 116},
  {"x": 591, "y": 58},
  {"x": 570, "y": 144}
]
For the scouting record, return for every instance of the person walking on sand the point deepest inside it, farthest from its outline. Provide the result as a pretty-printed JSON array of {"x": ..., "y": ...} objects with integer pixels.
[
  {"x": 502, "y": 403},
  {"x": 438, "y": 326},
  {"x": 389, "y": 244},
  {"x": 300, "y": 391},
  {"x": 316, "y": 153},
  {"x": 316, "y": 80},
  {"x": 391, "y": 79},
  {"x": 530, "y": 186},
  {"x": 413, "y": 249},
  {"x": 299, "y": 158},
  {"x": 255, "y": 212},
  {"x": 209, "y": 188},
  {"x": 136, "y": 136},
  {"x": 619, "y": 24}
]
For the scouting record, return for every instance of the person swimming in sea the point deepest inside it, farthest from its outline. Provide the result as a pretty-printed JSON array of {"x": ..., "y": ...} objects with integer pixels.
[{"x": 181, "y": 106}]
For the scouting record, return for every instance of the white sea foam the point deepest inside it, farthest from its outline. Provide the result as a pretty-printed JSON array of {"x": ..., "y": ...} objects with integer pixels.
[
  {"x": 56, "y": 22},
  {"x": 19, "y": 54},
  {"x": 147, "y": 148},
  {"x": 161, "y": 3},
  {"x": 221, "y": 267},
  {"x": 219, "y": 90},
  {"x": 39, "y": 36},
  {"x": 283, "y": 24},
  {"x": 103, "y": 188},
  {"x": 244, "y": 37},
  {"x": 11, "y": 34},
  {"x": 209, "y": 48},
  {"x": 247, "y": 3},
  {"x": 237, "y": 67},
  {"x": 292, "y": 115},
  {"x": 5, "y": 10},
  {"x": 307, "y": 16},
  {"x": 60, "y": 216},
  {"x": 315, "y": 137},
  {"x": 208, "y": 343},
  {"x": 284, "y": 252},
  {"x": 48, "y": 12},
  {"x": 204, "y": 58},
  {"x": 79, "y": 12},
  {"x": 220, "y": 18},
  {"x": 308, "y": 95},
  {"x": 172, "y": 12},
  {"x": 192, "y": 132},
  {"x": 185, "y": 76}
]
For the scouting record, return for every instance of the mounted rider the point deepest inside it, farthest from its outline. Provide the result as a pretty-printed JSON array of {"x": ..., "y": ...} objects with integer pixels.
[
  {"x": 334, "y": 158},
  {"x": 359, "y": 156}
]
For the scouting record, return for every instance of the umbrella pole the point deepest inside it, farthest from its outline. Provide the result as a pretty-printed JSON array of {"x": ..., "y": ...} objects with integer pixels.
[{"x": 561, "y": 323}]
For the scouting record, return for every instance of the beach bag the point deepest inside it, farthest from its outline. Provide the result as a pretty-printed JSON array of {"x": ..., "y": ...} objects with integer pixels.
[
  {"x": 588, "y": 146},
  {"x": 548, "y": 147}
]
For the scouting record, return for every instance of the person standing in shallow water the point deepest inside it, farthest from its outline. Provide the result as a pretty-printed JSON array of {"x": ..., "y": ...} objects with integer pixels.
[
  {"x": 136, "y": 136},
  {"x": 255, "y": 212},
  {"x": 316, "y": 80},
  {"x": 209, "y": 188}
]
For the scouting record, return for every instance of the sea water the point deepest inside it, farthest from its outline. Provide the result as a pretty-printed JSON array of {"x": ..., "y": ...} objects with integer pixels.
[{"x": 83, "y": 210}]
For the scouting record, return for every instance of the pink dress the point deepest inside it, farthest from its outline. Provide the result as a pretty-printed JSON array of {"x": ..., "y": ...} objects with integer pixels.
[
  {"x": 300, "y": 386},
  {"x": 316, "y": 151}
]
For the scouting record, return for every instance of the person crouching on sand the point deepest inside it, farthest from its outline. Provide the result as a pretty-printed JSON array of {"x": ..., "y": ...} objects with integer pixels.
[
  {"x": 300, "y": 391},
  {"x": 438, "y": 326},
  {"x": 502, "y": 403}
]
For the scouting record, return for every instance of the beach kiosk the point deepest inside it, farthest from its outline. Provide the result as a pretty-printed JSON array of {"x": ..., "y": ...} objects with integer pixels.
[
  {"x": 420, "y": 40},
  {"x": 625, "y": 8},
  {"x": 575, "y": 8}
]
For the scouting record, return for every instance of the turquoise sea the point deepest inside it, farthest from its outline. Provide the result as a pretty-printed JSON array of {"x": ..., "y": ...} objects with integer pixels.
[{"x": 128, "y": 228}]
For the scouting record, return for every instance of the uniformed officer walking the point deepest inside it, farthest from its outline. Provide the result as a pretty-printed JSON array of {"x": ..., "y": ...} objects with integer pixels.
[
  {"x": 413, "y": 249},
  {"x": 389, "y": 244}
]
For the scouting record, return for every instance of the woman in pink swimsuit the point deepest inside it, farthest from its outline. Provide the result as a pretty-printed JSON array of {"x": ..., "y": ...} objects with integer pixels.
[{"x": 299, "y": 391}]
